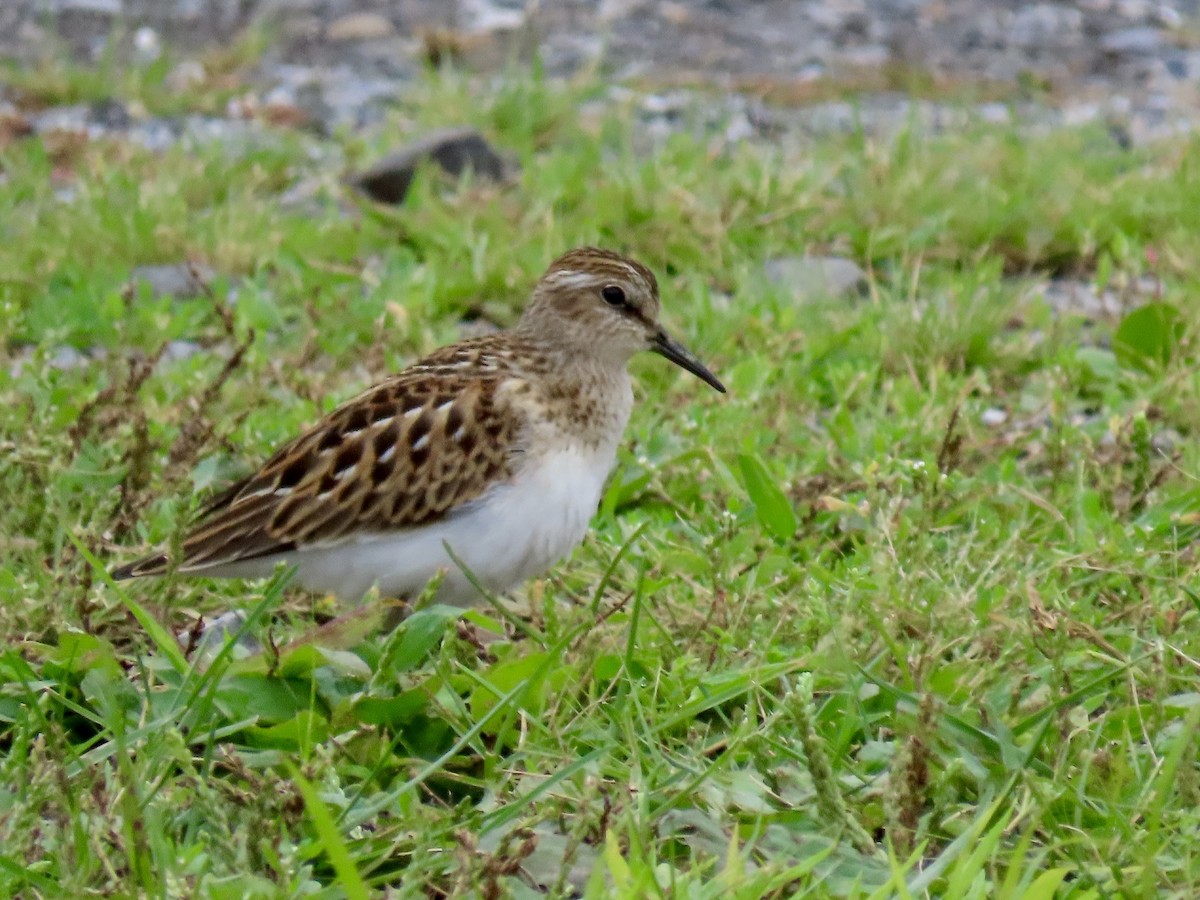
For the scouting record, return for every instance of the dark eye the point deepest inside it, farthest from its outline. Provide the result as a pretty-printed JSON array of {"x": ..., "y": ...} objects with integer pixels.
[{"x": 613, "y": 295}]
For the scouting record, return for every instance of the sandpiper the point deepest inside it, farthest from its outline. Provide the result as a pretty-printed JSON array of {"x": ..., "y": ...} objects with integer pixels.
[{"x": 496, "y": 447}]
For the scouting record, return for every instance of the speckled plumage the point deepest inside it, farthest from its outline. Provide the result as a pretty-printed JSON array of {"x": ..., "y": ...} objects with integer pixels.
[{"x": 498, "y": 446}]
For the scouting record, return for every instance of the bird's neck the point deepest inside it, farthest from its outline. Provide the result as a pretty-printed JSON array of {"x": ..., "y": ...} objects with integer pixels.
[{"x": 590, "y": 397}]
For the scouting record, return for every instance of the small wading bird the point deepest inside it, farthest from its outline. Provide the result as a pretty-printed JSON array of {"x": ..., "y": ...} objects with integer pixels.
[{"x": 496, "y": 447}]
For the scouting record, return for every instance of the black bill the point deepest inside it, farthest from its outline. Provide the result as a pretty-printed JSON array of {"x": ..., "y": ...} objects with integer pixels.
[{"x": 664, "y": 345}]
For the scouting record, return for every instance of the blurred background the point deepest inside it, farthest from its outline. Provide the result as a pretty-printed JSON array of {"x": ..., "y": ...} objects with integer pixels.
[{"x": 773, "y": 64}]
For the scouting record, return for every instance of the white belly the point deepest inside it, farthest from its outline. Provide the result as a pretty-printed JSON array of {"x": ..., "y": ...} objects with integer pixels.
[{"x": 512, "y": 533}]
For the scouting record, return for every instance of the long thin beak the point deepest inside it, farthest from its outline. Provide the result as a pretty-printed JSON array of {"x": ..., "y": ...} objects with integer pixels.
[{"x": 665, "y": 345}]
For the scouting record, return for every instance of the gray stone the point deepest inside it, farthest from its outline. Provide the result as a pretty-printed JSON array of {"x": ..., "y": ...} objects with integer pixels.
[
  {"x": 63, "y": 358},
  {"x": 1081, "y": 298},
  {"x": 360, "y": 26},
  {"x": 154, "y": 134},
  {"x": 454, "y": 150},
  {"x": 670, "y": 104},
  {"x": 187, "y": 74},
  {"x": 238, "y": 137},
  {"x": 209, "y": 638},
  {"x": 63, "y": 118},
  {"x": 179, "y": 350},
  {"x": 1041, "y": 24},
  {"x": 1177, "y": 67},
  {"x": 1182, "y": 66},
  {"x": 1115, "y": 56},
  {"x": 1132, "y": 42},
  {"x": 1068, "y": 296},
  {"x": 147, "y": 45},
  {"x": 110, "y": 115},
  {"x": 181, "y": 280},
  {"x": 870, "y": 56},
  {"x": 834, "y": 117},
  {"x": 490, "y": 15},
  {"x": 92, "y": 119},
  {"x": 353, "y": 100},
  {"x": 1167, "y": 16},
  {"x": 1166, "y": 440},
  {"x": 338, "y": 96},
  {"x": 993, "y": 417},
  {"x": 94, "y": 7},
  {"x": 816, "y": 276},
  {"x": 66, "y": 358}
]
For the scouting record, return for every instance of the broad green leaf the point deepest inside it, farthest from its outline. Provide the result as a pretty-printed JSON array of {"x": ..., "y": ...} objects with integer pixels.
[
  {"x": 771, "y": 504},
  {"x": 419, "y": 634},
  {"x": 391, "y": 712},
  {"x": 269, "y": 700},
  {"x": 306, "y": 658},
  {"x": 1148, "y": 337},
  {"x": 302, "y": 732},
  {"x": 1045, "y": 886},
  {"x": 501, "y": 678}
]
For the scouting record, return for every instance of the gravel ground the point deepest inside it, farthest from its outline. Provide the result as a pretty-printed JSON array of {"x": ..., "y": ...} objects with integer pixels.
[{"x": 770, "y": 64}]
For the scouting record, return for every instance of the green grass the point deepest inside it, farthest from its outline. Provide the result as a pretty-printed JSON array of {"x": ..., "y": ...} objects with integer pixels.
[
  {"x": 830, "y": 635},
  {"x": 149, "y": 86}
]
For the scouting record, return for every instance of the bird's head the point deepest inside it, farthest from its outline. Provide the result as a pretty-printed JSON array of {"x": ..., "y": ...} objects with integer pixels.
[{"x": 599, "y": 303}]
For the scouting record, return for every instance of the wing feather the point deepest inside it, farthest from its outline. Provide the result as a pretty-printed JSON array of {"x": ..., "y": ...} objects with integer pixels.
[{"x": 405, "y": 453}]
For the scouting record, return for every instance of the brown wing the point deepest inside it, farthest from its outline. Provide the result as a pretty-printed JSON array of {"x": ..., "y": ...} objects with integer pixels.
[{"x": 403, "y": 454}]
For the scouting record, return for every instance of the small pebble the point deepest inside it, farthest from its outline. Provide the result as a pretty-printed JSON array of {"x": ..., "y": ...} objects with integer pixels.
[
  {"x": 993, "y": 416},
  {"x": 147, "y": 45},
  {"x": 809, "y": 277}
]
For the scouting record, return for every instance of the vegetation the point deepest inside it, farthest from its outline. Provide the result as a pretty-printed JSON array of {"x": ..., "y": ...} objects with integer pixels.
[{"x": 909, "y": 612}]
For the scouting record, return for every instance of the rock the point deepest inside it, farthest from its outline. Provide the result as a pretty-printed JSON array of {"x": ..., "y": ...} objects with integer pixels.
[
  {"x": 66, "y": 358},
  {"x": 993, "y": 417},
  {"x": 237, "y": 137},
  {"x": 89, "y": 119},
  {"x": 739, "y": 129},
  {"x": 1167, "y": 16},
  {"x": 153, "y": 134},
  {"x": 870, "y": 56},
  {"x": 186, "y": 74},
  {"x": 1082, "y": 298},
  {"x": 816, "y": 276},
  {"x": 336, "y": 96},
  {"x": 611, "y": 10},
  {"x": 73, "y": 118},
  {"x": 94, "y": 7},
  {"x": 63, "y": 359},
  {"x": 363, "y": 26},
  {"x": 209, "y": 638},
  {"x": 110, "y": 115},
  {"x": 455, "y": 150},
  {"x": 181, "y": 280},
  {"x": 1042, "y": 24},
  {"x": 1166, "y": 440},
  {"x": 1132, "y": 42},
  {"x": 671, "y": 104},
  {"x": 180, "y": 350},
  {"x": 147, "y": 45},
  {"x": 491, "y": 15},
  {"x": 353, "y": 100}
]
